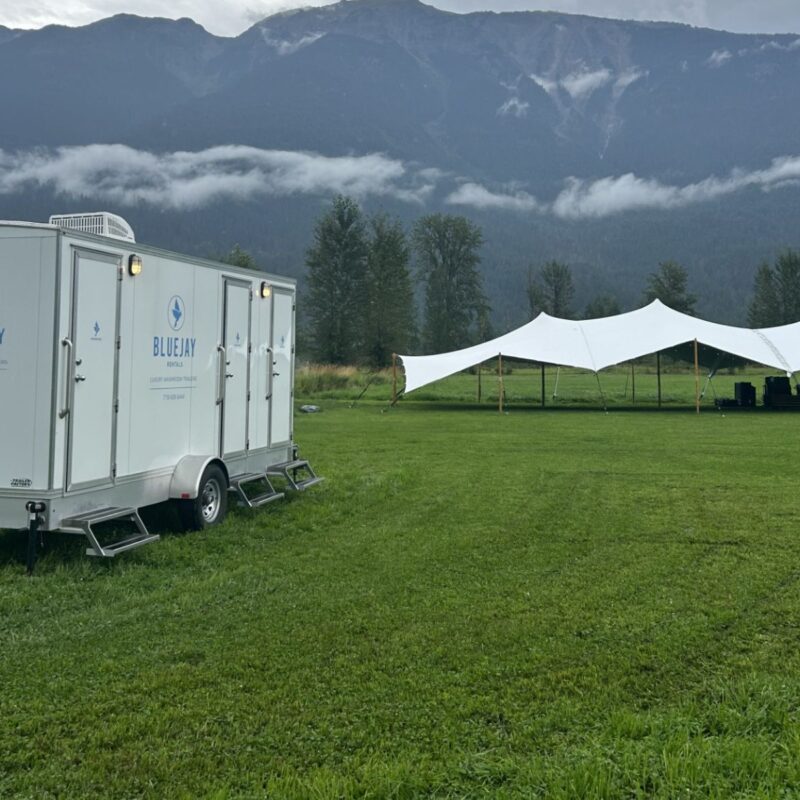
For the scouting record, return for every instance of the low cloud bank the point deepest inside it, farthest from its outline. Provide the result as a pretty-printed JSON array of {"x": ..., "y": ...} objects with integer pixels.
[
  {"x": 477, "y": 196},
  {"x": 124, "y": 176},
  {"x": 188, "y": 180},
  {"x": 580, "y": 199}
]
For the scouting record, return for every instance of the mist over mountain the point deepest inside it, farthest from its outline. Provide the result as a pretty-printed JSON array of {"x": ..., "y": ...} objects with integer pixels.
[{"x": 609, "y": 145}]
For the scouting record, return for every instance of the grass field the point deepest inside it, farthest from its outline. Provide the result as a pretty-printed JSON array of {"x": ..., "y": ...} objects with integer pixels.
[{"x": 538, "y": 604}]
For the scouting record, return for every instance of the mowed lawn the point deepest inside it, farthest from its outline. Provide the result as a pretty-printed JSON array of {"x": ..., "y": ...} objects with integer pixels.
[{"x": 540, "y": 604}]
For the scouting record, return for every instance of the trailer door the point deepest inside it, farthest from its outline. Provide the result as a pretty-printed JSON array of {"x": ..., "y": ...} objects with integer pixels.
[
  {"x": 90, "y": 376},
  {"x": 236, "y": 391},
  {"x": 280, "y": 430}
]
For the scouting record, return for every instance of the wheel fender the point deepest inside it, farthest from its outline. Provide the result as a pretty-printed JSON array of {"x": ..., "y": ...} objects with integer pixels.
[{"x": 185, "y": 483}]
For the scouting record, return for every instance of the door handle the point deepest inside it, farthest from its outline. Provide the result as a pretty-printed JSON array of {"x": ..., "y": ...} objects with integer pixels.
[
  {"x": 220, "y": 373},
  {"x": 228, "y": 374},
  {"x": 68, "y": 370},
  {"x": 80, "y": 378},
  {"x": 270, "y": 373}
]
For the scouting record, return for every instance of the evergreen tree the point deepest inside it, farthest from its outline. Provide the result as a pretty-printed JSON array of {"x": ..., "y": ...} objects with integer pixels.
[
  {"x": 764, "y": 311},
  {"x": 668, "y": 284},
  {"x": 604, "y": 305},
  {"x": 787, "y": 286},
  {"x": 390, "y": 294},
  {"x": 776, "y": 294},
  {"x": 337, "y": 283},
  {"x": 552, "y": 292},
  {"x": 447, "y": 247}
]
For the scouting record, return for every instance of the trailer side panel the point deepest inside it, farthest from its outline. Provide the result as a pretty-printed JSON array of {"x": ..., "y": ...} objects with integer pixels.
[{"x": 27, "y": 299}]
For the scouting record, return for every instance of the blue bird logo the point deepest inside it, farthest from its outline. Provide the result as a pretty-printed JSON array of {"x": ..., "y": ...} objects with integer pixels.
[
  {"x": 96, "y": 329},
  {"x": 176, "y": 313}
]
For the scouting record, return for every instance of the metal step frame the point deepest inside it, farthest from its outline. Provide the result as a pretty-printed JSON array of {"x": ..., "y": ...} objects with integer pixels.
[
  {"x": 83, "y": 524},
  {"x": 289, "y": 471},
  {"x": 238, "y": 482}
]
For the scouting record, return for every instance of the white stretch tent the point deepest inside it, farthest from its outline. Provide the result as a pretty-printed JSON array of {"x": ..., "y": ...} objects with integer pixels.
[{"x": 595, "y": 344}]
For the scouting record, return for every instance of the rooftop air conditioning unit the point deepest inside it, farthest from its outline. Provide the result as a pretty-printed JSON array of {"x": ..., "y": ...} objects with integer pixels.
[{"x": 100, "y": 223}]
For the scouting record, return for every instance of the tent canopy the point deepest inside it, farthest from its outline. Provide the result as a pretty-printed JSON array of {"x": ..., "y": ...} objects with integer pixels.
[{"x": 595, "y": 344}]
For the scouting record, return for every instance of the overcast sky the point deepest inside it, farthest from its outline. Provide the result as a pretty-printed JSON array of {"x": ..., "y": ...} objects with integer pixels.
[{"x": 229, "y": 17}]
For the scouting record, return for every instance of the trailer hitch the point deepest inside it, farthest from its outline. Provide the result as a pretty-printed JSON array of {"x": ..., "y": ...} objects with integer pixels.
[{"x": 35, "y": 520}]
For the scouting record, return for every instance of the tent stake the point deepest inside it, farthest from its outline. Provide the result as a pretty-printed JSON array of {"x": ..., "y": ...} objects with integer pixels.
[
  {"x": 658, "y": 373},
  {"x": 500, "y": 380},
  {"x": 696, "y": 379},
  {"x": 479, "y": 383},
  {"x": 394, "y": 378},
  {"x": 542, "y": 366}
]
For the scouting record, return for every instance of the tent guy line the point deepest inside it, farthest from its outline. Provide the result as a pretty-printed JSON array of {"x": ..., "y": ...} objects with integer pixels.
[{"x": 595, "y": 344}]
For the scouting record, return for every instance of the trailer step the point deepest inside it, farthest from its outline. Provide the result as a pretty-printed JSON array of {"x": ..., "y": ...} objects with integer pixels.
[
  {"x": 237, "y": 482},
  {"x": 83, "y": 524},
  {"x": 292, "y": 472}
]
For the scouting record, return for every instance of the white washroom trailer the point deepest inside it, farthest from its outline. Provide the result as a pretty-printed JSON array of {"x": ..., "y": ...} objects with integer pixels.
[{"x": 130, "y": 375}]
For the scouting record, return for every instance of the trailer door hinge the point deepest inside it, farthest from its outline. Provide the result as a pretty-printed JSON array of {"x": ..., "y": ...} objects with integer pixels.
[
  {"x": 113, "y": 470},
  {"x": 119, "y": 342},
  {"x": 116, "y": 406}
]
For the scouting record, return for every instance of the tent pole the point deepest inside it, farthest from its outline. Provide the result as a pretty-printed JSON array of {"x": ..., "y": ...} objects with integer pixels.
[
  {"x": 500, "y": 382},
  {"x": 479, "y": 383},
  {"x": 633, "y": 385},
  {"x": 602, "y": 393},
  {"x": 658, "y": 373},
  {"x": 696, "y": 378},
  {"x": 394, "y": 378},
  {"x": 542, "y": 366}
]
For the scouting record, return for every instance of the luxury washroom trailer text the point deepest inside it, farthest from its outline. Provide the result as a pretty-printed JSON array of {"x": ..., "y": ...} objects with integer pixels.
[{"x": 130, "y": 375}]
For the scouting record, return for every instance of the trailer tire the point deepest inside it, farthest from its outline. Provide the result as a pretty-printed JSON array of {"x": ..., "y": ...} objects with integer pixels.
[{"x": 211, "y": 504}]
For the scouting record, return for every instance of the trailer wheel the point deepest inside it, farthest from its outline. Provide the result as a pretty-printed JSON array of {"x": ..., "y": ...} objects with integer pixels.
[{"x": 211, "y": 504}]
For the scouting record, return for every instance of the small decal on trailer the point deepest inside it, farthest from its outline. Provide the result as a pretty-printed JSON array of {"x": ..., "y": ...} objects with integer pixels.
[
  {"x": 176, "y": 312},
  {"x": 21, "y": 483}
]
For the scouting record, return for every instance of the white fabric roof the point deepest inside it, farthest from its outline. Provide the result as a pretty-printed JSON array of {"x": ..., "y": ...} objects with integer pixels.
[{"x": 595, "y": 344}]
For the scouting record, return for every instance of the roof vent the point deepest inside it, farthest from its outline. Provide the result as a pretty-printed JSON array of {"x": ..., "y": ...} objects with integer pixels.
[{"x": 101, "y": 223}]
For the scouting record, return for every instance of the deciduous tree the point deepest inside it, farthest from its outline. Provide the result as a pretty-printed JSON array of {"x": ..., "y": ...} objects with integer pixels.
[
  {"x": 552, "y": 291},
  {"x": 240, "y": 258},
  {"x": 669, "y": 285},
  {"x": 447, "y": 248},
  {"x": 604, "y": 305},
  {"x": 776, "y": 293}
]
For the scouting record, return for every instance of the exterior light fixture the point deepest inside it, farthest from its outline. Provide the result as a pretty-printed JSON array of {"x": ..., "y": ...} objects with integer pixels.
[
  {"x": 135, "y": 265},
  {"x": 266, "y": 290}
]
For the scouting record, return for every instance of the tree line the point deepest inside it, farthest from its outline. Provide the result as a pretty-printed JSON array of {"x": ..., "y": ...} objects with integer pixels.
[
  {"x": 361, "y": 285},
  {"x": 366, "y": 273},
  {"x": 776, "y": 292}
]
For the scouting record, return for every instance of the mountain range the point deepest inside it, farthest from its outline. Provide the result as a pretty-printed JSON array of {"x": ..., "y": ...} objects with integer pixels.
[{"x": 606, "y": 144}]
